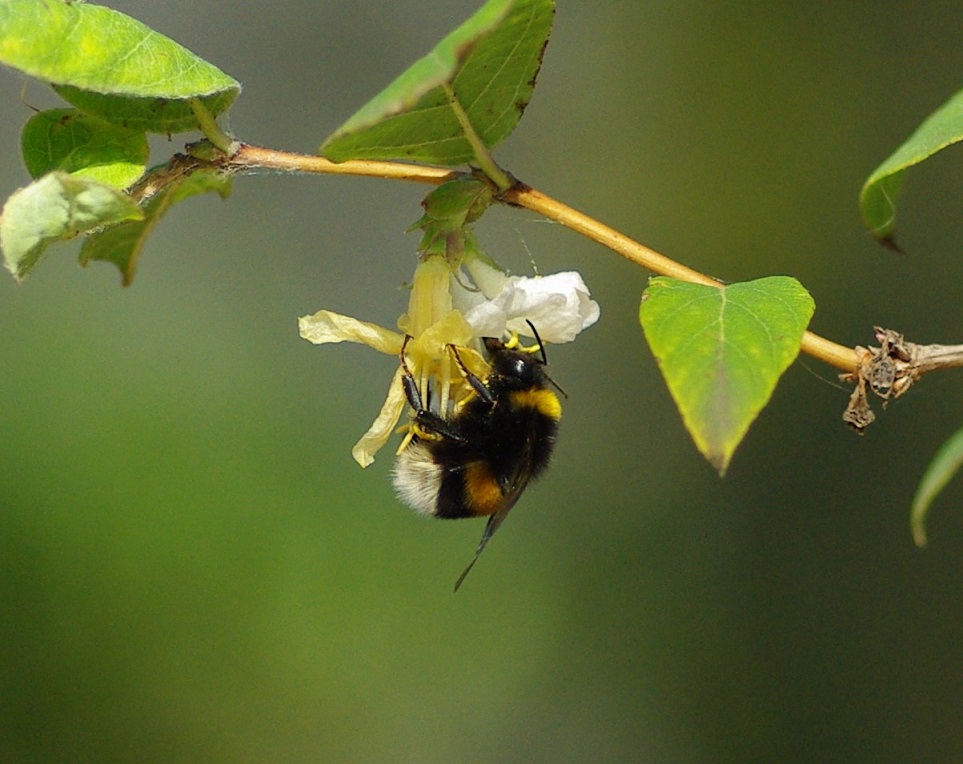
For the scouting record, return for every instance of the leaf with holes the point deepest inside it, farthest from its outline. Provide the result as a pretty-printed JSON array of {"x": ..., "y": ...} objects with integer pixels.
[
  {"x": 722, "y": 351},
  {"x": 485, "y": 69},
  {"x": 57, "y": 206}
]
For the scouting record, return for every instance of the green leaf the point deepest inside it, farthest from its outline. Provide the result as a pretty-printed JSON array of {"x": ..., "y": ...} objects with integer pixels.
[
  {"x": 722, "y": 351},
  {"x": 154, "y": 115},
  {"x": 111, "y": 65},
  {"x": 82, "y": 145},
  {"x": 946, "y": 463},
  {"x": 877, "y": 200},
  {"x": 122, "y": 244},
  {"x": 449, "y": 211},
  {"x": 488, "y": 65},
  {"x": 56, "y": 207}
]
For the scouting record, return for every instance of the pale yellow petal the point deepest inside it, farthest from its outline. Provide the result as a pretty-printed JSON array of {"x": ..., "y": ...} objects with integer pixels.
[
  {"x": 326, "y": 326},
  {"x": 428, "y": 353},
  {"x": 430, "y": 298},
  {"x": 382, "y": 427},
  {"x": 450, "y": 329}
]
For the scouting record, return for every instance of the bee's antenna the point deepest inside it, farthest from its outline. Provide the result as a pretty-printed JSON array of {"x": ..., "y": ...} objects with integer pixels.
[{"x": 541, "y": 345}]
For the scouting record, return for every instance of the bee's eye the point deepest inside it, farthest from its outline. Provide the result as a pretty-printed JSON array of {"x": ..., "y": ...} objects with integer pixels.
[{"x": 520, "y": 371}]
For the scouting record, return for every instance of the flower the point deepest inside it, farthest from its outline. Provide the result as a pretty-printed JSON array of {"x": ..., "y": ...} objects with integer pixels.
[
  {"x": 558, "y": 305},
  {"x": 455, "y": 305}
]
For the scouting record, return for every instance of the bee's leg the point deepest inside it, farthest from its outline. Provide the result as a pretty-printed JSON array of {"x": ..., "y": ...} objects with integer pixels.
[
  {"x": 427, "y": 421},
  {"x": 408, "y": 381},
  {"x": 480, "y": 387}
]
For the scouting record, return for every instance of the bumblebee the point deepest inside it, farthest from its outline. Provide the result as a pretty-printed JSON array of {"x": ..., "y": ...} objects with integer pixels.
[{"x": 479, "y": 460}]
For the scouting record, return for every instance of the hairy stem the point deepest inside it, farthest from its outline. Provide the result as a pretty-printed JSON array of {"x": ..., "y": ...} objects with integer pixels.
[
  {"x": 249, "y": 159},
  {"x": 208, "y": 125}
]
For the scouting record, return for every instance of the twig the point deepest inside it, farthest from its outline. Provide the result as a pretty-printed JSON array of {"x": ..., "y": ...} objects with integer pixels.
[
  {"x": 251, "y": 159},
  {"x": 812, "y": 344},
  {"x": 890, "y": 370}
]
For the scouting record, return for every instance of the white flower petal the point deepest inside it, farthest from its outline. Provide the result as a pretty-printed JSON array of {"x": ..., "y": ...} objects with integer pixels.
[
  {"x": 487, "y": 319},
  {"x": 559, "y": 306},
  {"x": 464, "y": 294},
  {"x": 487, "y": 277}
]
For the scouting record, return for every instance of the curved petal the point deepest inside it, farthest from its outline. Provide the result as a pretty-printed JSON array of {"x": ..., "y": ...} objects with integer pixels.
[
  {"x": 326, "y": 326},
  {"x": 559, "y": 306},
  {"x": 383, "y": 425},
  {"x": 489, "y": 278}
]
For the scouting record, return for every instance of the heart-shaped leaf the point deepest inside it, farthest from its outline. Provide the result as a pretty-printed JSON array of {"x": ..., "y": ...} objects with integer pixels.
[
  {"x": 111, "y": 65},
  {"x": 485, "y": 71},
  {"x": 722, "y": 351},
  {"x": 877, "y": 200},
  {"x": 56, "y": 207},
  {"x": 81, "y": 144}
]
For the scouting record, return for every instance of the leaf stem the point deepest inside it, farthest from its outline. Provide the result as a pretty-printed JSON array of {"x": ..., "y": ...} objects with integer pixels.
[
  {"x": 208, "y": 125},
  {"x": 486, "y": 162},
  {"x": 250, "y": 159}
]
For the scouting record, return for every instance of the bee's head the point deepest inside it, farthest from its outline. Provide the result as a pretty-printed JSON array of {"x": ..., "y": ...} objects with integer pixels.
[{"x": 513, "y": 369}]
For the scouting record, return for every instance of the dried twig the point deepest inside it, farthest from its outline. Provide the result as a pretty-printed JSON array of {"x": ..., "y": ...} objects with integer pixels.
[{"x": 890, "y": 370}]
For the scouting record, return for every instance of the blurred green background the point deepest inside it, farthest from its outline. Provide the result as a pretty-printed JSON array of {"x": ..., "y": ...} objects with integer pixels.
[{"x": 192, "y": 568}]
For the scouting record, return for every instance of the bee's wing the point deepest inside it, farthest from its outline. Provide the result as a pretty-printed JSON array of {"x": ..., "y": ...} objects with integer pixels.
[{"x": 494, "y": 521}]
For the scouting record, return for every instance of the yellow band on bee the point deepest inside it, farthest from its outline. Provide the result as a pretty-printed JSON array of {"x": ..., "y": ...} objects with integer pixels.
[{"x": 542, "y": 400}]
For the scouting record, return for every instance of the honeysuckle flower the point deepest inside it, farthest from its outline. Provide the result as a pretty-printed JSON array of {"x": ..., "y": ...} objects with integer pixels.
[
  {"x": 558, "y": 305},
  {"x": 455, "y": 306}
]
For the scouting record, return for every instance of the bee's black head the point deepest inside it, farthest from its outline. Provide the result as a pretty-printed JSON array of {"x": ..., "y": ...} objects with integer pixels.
[{"x": 513, "y": 369}]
